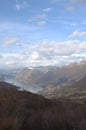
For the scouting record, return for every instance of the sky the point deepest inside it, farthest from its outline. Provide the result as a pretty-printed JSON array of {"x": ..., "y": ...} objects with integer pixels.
[{"x": 42, "y": 32}]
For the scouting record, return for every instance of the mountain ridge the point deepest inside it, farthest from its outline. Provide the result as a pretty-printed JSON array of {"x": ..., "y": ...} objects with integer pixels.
[{"x": 68, "y": 74}]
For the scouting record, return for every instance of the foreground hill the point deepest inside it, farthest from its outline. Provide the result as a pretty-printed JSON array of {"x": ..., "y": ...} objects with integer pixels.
[
  {"x": 7, "y": 85},
  {"x": 75, "y": 92},
  {"x": 21, "y": 110}
]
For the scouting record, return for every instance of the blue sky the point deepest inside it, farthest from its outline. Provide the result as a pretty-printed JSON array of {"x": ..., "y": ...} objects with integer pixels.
[{"x": 36, "y": 32}]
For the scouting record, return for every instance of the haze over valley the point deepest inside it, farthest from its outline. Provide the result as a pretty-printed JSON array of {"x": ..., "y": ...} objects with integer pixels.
[{"x": 41, "y": 78}]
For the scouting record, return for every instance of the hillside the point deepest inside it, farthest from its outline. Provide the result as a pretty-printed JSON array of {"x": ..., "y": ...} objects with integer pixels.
[
  {"x": 75, "y": 92},
  {"x": 21, "y": 110},
  {"x": 8, "y": 85}
]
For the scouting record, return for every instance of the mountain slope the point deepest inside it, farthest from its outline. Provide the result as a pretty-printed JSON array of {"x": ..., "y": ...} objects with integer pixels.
[
  {"x": 29, "y": 75},
  {"x": 68, "y": 74},
  {"x": 81, "y": 83},
  {"x": 21, "y": 110},
  {"x": 75, "y": 92}
]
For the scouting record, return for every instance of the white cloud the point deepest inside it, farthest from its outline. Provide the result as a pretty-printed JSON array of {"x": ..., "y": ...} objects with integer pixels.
[
  {"x": 39, "y": 19},
  {"x": 9, "y": 62},
  {"x": 50, "y": 49},
  {"x": 10, "y": 41},
  {"x": 77, "y": 34},
  {"x": 35, "y": 55},
  {"x": 41, "y": 16},
  {"x": 18, "y": 6},
  {"x": 46, "y": 53},
  {"x": 41, "y": 23},
  {"x": 47, "y": 9},
  {"x": 71, "y": 8},
  {"x": 23, "y": 31},
  {"x": 21, "y": 5},
  {"x": 56, "y": 53}
]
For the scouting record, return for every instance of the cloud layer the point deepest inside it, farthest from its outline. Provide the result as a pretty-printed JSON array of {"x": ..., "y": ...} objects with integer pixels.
[
  {"x": 21, "y": 5},
  {"x": 47, "y": 53},
  {"x": 10, "y": 41},
  {"x": 77, "y": 34}
]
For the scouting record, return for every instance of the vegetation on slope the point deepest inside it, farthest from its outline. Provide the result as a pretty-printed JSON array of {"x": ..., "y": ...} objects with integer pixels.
[
  {"x": 74, "y": 93},
  {"x": 21, "y": 110}
]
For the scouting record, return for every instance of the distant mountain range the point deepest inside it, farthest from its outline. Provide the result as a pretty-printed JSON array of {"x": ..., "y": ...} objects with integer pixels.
[
  {"x": 69, "y": 73},
  {"x": 42, "y": 78},
  {"x": 29, "y": 75},
  {"x": 54, "y": 76}
]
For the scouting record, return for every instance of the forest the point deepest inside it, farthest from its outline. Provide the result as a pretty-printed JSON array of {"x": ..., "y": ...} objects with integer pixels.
[{"x": 22, "y": 110}]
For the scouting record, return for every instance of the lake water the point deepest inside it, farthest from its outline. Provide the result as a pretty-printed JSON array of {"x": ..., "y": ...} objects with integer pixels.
[{"x": 25, "y": 86}]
